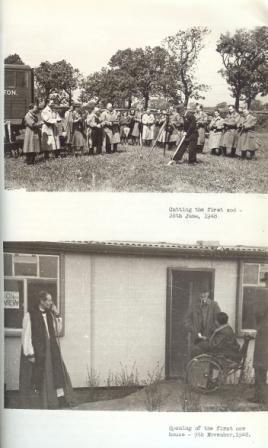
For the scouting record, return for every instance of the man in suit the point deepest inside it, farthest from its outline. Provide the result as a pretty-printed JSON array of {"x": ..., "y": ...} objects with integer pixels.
[
  {"x": 200, "y": 319},
  {"x": 189, "y": 139}
]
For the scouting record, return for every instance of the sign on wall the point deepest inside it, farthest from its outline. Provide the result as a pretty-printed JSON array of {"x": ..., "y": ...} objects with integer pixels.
[{"x": 11, "y": 299}]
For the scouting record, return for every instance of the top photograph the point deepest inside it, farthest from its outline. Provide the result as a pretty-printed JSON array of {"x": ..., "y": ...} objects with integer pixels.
[{"x": 104, "y": 102}]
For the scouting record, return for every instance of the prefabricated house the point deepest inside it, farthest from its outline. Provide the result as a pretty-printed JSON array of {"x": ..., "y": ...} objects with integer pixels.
[{"x": 123, "y": 303}]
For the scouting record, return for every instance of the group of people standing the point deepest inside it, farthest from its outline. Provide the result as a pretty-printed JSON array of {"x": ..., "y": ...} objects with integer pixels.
[
  {"x": 233, "y": 135},
  {"x": 93, "y": 130}
]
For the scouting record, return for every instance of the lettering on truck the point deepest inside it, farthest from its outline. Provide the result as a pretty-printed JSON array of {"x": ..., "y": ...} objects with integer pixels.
[{"x": 10, "y": 92}]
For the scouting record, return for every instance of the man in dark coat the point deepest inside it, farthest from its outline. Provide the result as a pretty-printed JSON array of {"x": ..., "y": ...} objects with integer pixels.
[
  {"x": 222, "y": 341},
  {"x": 42, "y": 370},
  {"x": 200, "y": 319},
  {"x": 260, "y": 357},
  {"x": 190, "y": 138},
  {"x": 32, "y": 138}
]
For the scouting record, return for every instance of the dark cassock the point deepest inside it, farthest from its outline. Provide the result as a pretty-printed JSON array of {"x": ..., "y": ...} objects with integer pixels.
[{"x": 44, "y": 380}]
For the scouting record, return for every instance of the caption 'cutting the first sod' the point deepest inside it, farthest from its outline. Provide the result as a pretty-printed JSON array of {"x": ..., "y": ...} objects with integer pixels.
[
  {"x": 209, "y": 431},
  {"x": 196, "y": 213}
]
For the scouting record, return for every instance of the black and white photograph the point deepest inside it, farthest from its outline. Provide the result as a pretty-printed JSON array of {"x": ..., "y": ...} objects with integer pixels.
[
  {"x": 124, "y": 326},
  {"x": 134, "y": 235},
  {"x": 126, "y": 96}
]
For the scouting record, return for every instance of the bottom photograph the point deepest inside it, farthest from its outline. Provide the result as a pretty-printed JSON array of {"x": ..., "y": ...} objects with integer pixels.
[{"x": 135, "y": 326}]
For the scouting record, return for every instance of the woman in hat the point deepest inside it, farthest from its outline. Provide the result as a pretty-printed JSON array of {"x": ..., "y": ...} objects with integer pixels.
[
  {"x": 215, "y": 133},
  {"x": 137, "y": 128},
  {"x": 50, "y": 137},
  {"x": 32, "y": 139},
  {"x": 115, "y": 120},
  {"x": 131, "y": 126},
  {"x": 148, "y": 127},
  {"x": 124, "y": 127},
  {"x": 68, "y": 126},
  {"x": 78, "y": 142},
  {"x": 247, "y": 141}
]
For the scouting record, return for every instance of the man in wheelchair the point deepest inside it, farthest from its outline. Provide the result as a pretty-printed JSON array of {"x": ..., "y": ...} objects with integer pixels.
[{"x": 221, "y": 343}]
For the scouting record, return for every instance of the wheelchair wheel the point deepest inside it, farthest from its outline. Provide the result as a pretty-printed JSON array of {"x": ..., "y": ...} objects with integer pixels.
[{"x": 204, "y": 374}]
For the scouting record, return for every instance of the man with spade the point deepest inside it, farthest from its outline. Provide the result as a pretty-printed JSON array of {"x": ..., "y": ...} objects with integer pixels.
[{"x": 188, "y": 140}]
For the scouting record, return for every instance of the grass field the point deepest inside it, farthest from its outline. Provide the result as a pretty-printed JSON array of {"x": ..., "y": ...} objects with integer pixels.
[{"x": 126, "y": 171}]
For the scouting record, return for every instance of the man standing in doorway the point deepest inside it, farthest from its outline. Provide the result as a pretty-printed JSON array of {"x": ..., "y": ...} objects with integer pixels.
[{"x": 200, "y": 319}]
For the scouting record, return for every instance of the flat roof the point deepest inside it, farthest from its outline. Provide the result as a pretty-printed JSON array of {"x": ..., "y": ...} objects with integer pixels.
[
  {"x": 140, "y": 248},
  {"x": 18, "y": 66}
]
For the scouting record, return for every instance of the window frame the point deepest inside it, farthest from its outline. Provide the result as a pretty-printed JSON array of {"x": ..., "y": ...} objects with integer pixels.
[
  {"x": 240, "y": 296},
  {"x": 14, "y": 74},
  {"x": 25, "y": 79},
  {"x": 60, "y": 281}
]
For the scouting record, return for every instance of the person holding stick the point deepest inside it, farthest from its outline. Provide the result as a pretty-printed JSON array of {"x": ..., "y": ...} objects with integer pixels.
[{"x": 188, "y": 140}]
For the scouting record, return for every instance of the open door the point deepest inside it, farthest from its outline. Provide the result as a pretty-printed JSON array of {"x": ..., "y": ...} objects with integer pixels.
[{"x": 184, "y": 288}]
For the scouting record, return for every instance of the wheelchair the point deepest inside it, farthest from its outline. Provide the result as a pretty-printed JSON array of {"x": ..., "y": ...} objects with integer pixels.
[{"x": 206, "y": 373}]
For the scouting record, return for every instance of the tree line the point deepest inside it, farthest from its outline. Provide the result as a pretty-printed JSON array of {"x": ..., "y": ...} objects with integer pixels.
[{"x": 167, "y": 71}]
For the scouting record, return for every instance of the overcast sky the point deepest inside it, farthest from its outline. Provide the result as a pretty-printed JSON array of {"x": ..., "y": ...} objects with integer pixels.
[{"x": 88, "y": 32}]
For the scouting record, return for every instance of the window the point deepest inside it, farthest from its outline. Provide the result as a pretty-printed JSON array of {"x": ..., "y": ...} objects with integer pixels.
[
  {"x": 22, "y": 79},
  {"x": 25, "y": 276},
  {"x": 254, "y": 294},
  {"x": 10, "y": 79}
]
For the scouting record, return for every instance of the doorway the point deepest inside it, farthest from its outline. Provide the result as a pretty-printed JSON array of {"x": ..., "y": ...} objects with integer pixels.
[{"x": 183, "y": 290}]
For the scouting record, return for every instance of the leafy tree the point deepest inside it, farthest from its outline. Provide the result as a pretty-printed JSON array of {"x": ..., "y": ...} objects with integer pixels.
[
  {"x": 67, "y": 78},
  {"x": 245, "y": 59},
  {"x": 14, "y": 59},
  {"x": 57, "y": 78},
  {"x": 145, "y": 72},
  {"x": 124, "y": 62},
  {"x": 105, "y": 86},
  {"x": 44, "y": 81},
  {"x": 184, "y": 48}
]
